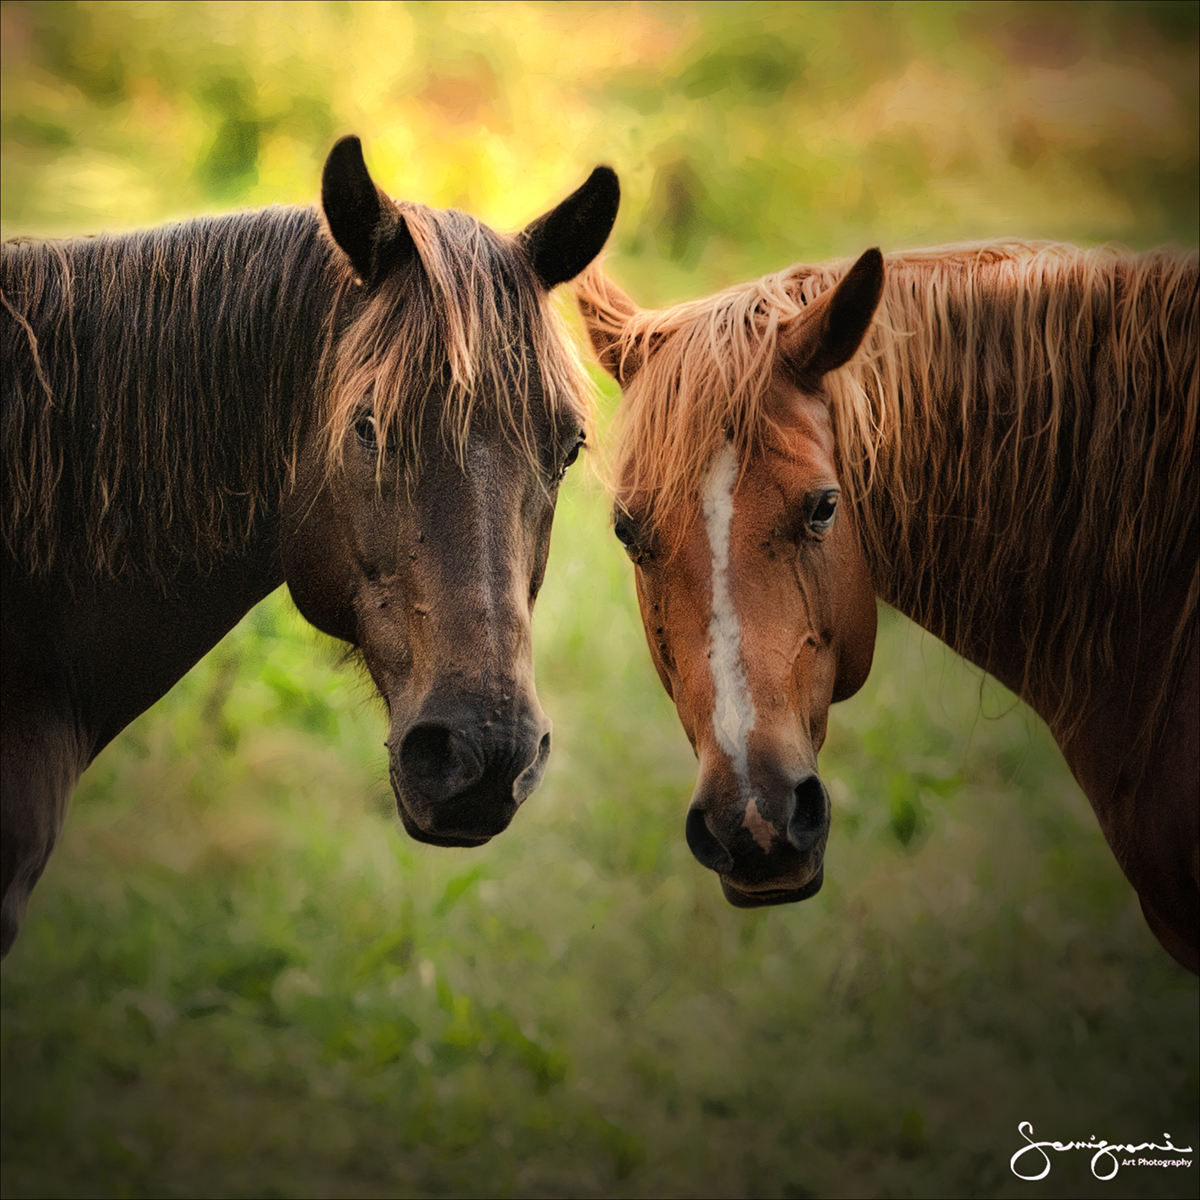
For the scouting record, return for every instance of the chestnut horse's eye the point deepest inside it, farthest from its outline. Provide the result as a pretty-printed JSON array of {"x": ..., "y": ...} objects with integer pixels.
[
  {"x": 821, "y": 518},
  {"x": 625, "y": 530},
  {"x": 366, "y": 431}
]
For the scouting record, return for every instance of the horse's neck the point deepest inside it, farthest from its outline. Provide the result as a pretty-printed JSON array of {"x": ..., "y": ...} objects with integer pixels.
[
  {"x": 126, "y": 642},
  {"x": 1023, "y": 469},
  {"x": 920, "y": 508},
  {"x": 185, "y": 361}
]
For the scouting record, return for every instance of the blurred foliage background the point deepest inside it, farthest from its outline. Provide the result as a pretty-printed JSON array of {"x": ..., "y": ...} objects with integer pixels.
[{"x": 239, "y": 977}]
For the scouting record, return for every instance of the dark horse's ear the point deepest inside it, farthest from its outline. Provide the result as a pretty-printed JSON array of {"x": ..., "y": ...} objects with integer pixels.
[
  {"x": 563, "y": 241},
  {"x": 361, "y": 219},
  {"x": 827, "y": 335}
]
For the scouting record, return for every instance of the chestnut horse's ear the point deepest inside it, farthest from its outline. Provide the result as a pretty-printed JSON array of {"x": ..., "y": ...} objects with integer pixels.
[
  {"x": 563, "y": 241},
  {"x": 606, "y": 311},
  {"x": 827, "y": 335},
  {"x": 361, "y": 219}
]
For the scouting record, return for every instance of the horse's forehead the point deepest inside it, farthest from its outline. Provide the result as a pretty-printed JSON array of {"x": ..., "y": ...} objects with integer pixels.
[
  {"x": 779, "y": 471},
  {"x": 797, "y": 423}
]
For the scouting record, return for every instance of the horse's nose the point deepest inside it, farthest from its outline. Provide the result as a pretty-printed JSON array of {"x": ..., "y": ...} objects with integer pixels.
[
  {"x": 443, "y": 761},
  {"x": 808, "y": 822},
  {"x": 531, "y": 776},
  {"x": 460, "y": 775},
  {"x": 728, "y": 836}
]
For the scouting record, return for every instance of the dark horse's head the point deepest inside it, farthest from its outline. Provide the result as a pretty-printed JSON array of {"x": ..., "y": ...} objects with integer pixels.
[
  {"x": 754, "y": 591},
  {"x": 419, "y": 521}
]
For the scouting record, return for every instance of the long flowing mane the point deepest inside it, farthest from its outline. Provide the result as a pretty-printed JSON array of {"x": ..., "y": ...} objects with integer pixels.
[
  {"x": 1045, "y": 397},
  {"x": 157, "y": 384}
]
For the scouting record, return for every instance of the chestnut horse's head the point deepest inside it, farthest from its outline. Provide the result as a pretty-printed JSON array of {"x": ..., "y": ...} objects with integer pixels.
[
  {"x": 754, "y": 592},
  {"x": 419, "y": 522}
]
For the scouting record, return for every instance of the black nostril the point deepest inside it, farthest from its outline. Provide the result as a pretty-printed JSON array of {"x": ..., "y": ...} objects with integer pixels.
[
  {"x": 425, "y": 750},
  {"x": 809, "y": 822},
  {"x": 704, "y": 844},
  {"x": 435, "y": 760}
]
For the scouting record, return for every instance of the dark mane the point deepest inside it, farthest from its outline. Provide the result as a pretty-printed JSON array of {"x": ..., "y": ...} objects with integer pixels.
[
  {"x": 157, "y": 383},
  {"x": 154, "y": 382}
]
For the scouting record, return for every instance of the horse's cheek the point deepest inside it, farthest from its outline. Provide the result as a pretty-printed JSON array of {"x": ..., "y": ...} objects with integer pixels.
[
  {"x": 316, "y": 579},
  {"x": 856, "y": 639},
  {"x": 324, "y": 607}
]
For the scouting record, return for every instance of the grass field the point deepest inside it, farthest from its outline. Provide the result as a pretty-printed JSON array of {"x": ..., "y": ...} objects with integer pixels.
[{"x": 239, "y": 977}]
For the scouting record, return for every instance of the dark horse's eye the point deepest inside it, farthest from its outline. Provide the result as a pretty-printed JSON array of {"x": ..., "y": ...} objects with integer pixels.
[
  {"x": 572, "y": 455},
  {"x": 366, "y": 431},
  {"x": 823, "y": 512}
]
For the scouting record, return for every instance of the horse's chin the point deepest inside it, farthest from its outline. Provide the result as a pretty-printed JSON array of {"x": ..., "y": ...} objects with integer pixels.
[
  {"x": 434, "y": 839},
  {"x": 759, "y": 897},
  {"x": 456, "y": 825}
]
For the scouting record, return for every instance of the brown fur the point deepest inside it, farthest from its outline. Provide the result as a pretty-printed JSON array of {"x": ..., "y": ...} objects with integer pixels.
[{"x": 1088, "y": 358}]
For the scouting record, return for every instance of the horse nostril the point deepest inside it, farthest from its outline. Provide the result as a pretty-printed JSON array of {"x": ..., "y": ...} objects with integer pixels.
[
  {"x": 436, "y": 760},
  {"x": 810, "y": 815},
  {"x": 531, "y": 776},
  {"x": 704, "y": 844}
]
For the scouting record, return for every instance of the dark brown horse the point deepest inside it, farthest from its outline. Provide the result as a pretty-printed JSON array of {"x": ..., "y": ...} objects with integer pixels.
[
  {"x": 1010, "y": 461},
  {"x": 375, "y": 403}
]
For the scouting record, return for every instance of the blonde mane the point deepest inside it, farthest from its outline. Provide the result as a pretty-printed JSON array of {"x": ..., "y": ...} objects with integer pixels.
[{"x": 1043, "y": 396}]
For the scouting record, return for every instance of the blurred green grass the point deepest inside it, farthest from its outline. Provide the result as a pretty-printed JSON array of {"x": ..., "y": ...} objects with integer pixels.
[{"x": 239, "y": 977}]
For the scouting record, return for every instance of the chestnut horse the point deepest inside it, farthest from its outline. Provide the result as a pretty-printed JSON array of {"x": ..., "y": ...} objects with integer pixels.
[
  {"x": 373, "y": 402},
  {"x": 1010, "y": 461}
]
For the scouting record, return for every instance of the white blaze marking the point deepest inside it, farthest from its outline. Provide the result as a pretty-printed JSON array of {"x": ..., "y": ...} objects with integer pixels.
[{"x": 733, "y": 706}]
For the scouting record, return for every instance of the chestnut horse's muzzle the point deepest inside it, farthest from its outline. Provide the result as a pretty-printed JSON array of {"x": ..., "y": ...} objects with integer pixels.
[
  {"x": 460, "y": 776},
  {"x": 769, "y": 849}
]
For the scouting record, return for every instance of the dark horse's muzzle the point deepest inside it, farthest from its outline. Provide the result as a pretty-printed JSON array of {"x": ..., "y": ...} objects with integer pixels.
[{"x": 460, "y": 774}]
